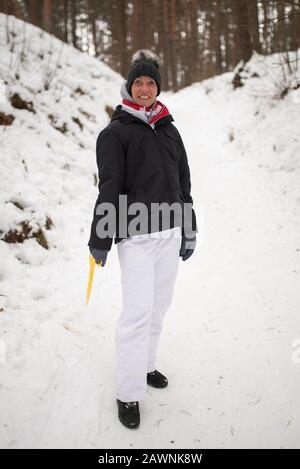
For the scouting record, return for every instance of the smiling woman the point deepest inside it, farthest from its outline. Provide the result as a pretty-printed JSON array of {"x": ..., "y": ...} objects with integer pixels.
[
  {"x": 144, "y": 91},
  {"x": 140, "y": 155}
]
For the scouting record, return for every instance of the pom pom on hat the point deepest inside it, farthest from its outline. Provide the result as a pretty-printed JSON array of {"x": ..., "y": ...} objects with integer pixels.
[{"x": 145, "y": 54}]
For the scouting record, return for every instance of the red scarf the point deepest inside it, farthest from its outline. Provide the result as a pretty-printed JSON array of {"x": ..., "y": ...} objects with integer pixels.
[{"x": 159, "y": 109}]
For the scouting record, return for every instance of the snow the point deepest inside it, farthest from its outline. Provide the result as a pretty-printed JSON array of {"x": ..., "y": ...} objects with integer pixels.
[{"x": 229, "y": 342}]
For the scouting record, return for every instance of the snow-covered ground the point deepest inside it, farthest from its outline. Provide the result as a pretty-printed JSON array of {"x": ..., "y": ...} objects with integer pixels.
[{"x": 231, "y": 339}]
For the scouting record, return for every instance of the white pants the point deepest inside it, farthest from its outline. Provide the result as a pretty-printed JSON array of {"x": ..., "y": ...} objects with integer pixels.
[{"x": 149, "y": 265}]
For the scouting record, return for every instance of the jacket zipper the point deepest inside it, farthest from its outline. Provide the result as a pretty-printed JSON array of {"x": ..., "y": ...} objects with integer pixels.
[{"x": 163, "y": 165}]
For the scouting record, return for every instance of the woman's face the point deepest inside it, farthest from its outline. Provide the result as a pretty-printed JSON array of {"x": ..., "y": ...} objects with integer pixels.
[{"x": 144, "y": 91}]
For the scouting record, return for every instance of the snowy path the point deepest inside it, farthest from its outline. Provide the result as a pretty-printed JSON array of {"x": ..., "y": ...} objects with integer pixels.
[{"x": 226, "y": 346}]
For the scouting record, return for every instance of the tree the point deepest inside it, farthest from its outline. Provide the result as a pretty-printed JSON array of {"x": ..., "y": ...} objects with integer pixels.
[
  {"x": 243, "y": 39},
  {"x": 47, "y": 15},
  {"x": 254, "y": 25}
]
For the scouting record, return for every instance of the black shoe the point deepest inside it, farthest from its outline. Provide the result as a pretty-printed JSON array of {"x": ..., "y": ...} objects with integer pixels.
[
  {"x": 129, "y": 413},
  {"x": 156, "y": 379}
]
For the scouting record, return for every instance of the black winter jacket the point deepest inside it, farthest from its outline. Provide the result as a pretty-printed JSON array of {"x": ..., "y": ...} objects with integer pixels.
[{"x": 149, "y": 165}]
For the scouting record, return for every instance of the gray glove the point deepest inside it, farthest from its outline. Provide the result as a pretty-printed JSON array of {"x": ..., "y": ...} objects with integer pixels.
[
  {"x": 99, "y": 255},
  {"x": 187, "y": 247}
]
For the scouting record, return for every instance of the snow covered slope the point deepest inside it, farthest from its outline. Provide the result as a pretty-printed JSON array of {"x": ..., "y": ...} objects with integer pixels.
[
  {"x": 231, "y": 338},
  {"x": 47, "y": 153}
]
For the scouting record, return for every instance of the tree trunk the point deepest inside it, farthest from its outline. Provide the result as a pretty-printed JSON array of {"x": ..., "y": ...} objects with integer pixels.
[
  {"x": 243, "y": 39},
  {"x": 254, "y": 27},
  {"x": 217, "y": 38},
  {"x": 34, "y": 16},
  {"x": 47, "y": 15},
  {"x": 74, "y": 23},
  {"x": 173, "y": 48}
]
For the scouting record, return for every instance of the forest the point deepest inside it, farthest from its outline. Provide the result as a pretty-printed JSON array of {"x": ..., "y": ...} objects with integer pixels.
[{"x": 194, "y": 39}]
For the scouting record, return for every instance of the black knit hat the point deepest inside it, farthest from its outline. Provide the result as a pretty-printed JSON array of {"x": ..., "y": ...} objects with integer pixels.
[{"x": 144, "y": 62}]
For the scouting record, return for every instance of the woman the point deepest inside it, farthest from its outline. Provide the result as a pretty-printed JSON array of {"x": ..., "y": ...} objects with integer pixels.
[{"x": 143, "y": 169}]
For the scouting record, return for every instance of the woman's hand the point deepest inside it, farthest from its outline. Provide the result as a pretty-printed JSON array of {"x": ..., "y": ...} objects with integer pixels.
[
  {"x": 99, "y": 255},
  {"x": 187, "y": 247}
]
